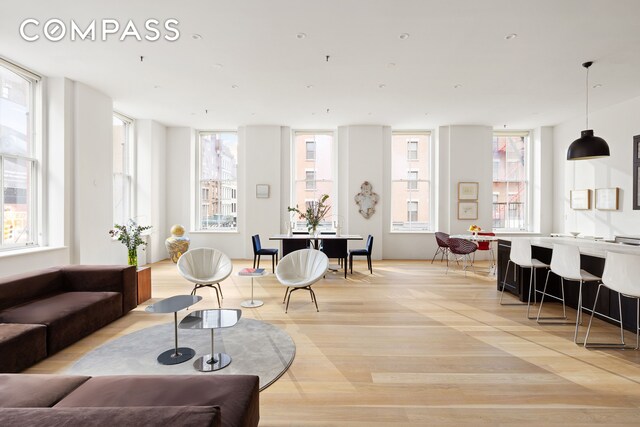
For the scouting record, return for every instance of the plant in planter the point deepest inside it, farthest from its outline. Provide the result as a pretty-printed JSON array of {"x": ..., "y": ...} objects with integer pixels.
[
  {"x": 315, "y": 212},
  {"x": 130, "y": 236}
]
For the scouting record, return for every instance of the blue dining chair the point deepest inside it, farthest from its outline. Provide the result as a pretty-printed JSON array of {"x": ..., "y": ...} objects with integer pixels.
[
  {"x": 363, "y": 252},
  {"x": 259, "y": 250}
]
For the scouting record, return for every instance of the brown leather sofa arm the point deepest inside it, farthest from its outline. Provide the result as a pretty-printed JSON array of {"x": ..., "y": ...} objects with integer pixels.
[{"x": 104, "y": 278}]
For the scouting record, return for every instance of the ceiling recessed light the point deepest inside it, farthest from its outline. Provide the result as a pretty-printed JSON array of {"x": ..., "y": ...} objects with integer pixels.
[
  {"x": 368, "y": 114},
  {"x": 301, "y": 36},
  {"x": 217, "y": 66},
  {"x": 510, "y": 36},
  {"x": 596, "y": 86},
  {"x": 313, "y": 114},
  {"x": 382, "y": 85},
  {"x": 309, "y": 86},
  {"x": 426, "y": 114},
  {"x": 391, "y": 64},
  {"x": 458, "y": 86},
  {"x": 404, "y": 36},
  {"x": 234, "y": 86},
  {"x": 157, "y": 86},
  {"x": 196, "y": 36}
]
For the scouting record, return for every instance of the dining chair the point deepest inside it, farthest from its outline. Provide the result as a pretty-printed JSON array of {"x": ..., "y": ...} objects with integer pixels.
[
  {"x": 259, "y": 250},
  {"x": 565, "y": 263},
  {"x": 363, "y": 252},
  {"x": 335, "y": 248},
  {"x": 205, "y": 267},
  {"x": 486, "y": 245},
  {"x": 300, "y": 270},
  {"x": 520, "y": 255},
  {"x": 462, "y": 249},
  {"x": 442, "y": 239},
  {"x": 622, "y": 275}
]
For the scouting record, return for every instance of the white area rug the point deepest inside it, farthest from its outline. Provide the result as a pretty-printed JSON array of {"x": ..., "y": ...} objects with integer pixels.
[{"x": 255, "y": 347}]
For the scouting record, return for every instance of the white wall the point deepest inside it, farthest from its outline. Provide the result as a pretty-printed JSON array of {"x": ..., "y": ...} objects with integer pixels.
[
  {"x": 361, "y": 158},
  {"x": 617, "y": 125},
  {"x": 151, "y": 184},
  {"x": 93, "y": 179}
]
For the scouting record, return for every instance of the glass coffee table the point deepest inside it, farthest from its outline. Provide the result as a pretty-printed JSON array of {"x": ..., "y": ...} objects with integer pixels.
[
  {"x": 173, "y": 305},
  {"x": 211, "y": 319}
]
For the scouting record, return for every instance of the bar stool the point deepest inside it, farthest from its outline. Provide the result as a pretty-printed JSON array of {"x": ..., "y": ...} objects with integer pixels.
[
  {"x": 520, "y": 255},
  {"x": 565, "y": 263},
  {"x": 622, "y": 275}
]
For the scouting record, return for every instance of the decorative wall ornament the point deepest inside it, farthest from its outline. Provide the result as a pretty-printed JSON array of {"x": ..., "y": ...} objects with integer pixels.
[{"x": 366, "y": 200}]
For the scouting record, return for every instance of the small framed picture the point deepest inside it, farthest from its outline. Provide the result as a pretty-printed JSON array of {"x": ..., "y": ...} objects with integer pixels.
[
  {"x": 467, "y": 191},
  {"x": 262, "y": 191},
  {"x": 580, "y": 199},
  {"x": 607, "y": 199},
  {"x": 467, "y": 210}
]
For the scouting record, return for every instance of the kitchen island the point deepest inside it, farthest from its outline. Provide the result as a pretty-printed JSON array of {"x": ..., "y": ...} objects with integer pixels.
[{"x": 592, "y": 257}]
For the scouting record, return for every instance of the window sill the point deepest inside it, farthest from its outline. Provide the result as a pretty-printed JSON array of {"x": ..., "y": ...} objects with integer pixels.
[{"x": 6, "y": 253}]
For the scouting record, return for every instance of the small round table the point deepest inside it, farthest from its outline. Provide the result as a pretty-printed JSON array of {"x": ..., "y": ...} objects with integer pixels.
[
  {"x": 252, "y": 303},
  {"x": 212, "y": 319},
  {"x": 173, "y": 305}
]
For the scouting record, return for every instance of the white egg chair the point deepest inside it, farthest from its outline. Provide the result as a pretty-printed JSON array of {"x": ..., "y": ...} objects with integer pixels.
[
  {"x": 205, "y": 267},
  {"x": 301, "y": 269}
]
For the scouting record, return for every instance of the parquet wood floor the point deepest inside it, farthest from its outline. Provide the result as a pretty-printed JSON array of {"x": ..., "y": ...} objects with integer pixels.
[{"x": 411, "y": 346}]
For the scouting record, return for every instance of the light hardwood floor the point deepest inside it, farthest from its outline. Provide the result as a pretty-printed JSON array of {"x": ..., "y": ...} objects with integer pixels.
[{"x": 411, "y": 345}]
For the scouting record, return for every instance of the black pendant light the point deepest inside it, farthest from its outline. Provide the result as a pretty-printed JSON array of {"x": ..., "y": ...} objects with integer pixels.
[{"x": 588, "y": 146}]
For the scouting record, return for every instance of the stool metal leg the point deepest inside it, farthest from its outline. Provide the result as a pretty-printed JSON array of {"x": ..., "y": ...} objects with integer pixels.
[
  {"x": 621, "y": 345},
  {"x": 544, "y": 293}
]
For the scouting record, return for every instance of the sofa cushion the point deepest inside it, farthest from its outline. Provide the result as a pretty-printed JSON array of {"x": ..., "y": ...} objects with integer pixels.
[
  {"x": 36, "y": 390},
  {"x": 237, "y": 395},
  {"x": 68, "y": 316},
  {"x": 20, "y": 288},
  {"x": 21, "y": 345},
  {"x": 188, "y": 416},
  {"x": 103, "y": 278}
]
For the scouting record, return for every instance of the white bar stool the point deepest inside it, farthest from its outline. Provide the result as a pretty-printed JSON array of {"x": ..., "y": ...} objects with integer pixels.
[
  {"x": 565, "y": 263},
  {"x": 520, "y": 255},
  {"x": 621, "y": 275}
]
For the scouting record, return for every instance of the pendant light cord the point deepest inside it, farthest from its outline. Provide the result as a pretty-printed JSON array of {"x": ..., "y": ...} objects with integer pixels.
[{"x": 587, "y": 90}]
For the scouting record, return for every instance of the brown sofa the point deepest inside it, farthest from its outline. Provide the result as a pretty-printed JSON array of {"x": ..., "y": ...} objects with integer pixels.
[
  {"x": 184, "y": 400},
  {"x": 45, "y": 311}
]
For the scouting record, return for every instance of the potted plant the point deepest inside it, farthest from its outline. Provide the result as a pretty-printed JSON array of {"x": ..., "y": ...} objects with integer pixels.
[
  {"x": 130, "y": 236},
  {"x": 316, "y": 211}
]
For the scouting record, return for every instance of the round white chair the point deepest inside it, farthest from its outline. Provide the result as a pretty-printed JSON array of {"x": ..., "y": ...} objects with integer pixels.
[
  {"x": 520, "y": 255},
  {"x": 299, "y": 270},
  {"x": 205, "y": 267},
  {"x": 565, "y": 263},
  {"x": 622, "y": 275}
]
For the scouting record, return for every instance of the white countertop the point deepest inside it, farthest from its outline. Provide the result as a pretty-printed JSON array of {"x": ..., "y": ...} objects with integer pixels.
[{"x": 587, "y": 247}]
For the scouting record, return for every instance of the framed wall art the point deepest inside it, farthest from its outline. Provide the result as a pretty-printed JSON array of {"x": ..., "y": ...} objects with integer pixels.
[
  {"x": 262, "y": 191},
  {"x": 607, "y": 199},
  {"x": 467, "y": 191},
  {"x": 636, "y": 172},
  {"x": 580, "y": 199},
  {"x": 467, "y": 210}
]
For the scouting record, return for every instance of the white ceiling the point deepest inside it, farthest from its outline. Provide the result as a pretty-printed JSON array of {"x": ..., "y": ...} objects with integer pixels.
[{"x": 534, "y": 79}]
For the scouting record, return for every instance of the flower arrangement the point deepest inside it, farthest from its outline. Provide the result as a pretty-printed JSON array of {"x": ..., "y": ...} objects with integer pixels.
[
  {"x": 129, "y": 235},
  {"x": 474, "y": 228},
  {"x": 316, "y": 211}
]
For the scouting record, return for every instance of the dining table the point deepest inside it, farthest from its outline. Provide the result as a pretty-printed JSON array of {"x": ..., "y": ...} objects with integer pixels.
[{"x": 335, "y": 246}]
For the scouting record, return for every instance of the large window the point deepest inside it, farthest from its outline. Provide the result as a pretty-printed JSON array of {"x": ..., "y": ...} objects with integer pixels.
[
  {"x": 313, "y": 173},
  {"x": 122, "y": 169},
  {"x": 411, "y": 183},
  {"x": 19, "y": 165},
  {"x": 511, "y": 181},
  {"x": 218, "y": 169}
]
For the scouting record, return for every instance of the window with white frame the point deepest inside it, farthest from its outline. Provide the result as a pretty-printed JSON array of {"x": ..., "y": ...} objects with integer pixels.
[
  {"x": 311, "y": 150},
  {"x": 122, "y": 168},
  {"x": 412, "y": 149},
  {"x": 313, "y": 174},
  {"x": 511, "y": 177},
  {"x": 218, "y": 181},
  {"x": 20, "y": 130},
  {"x": 411, "y": 182}
]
